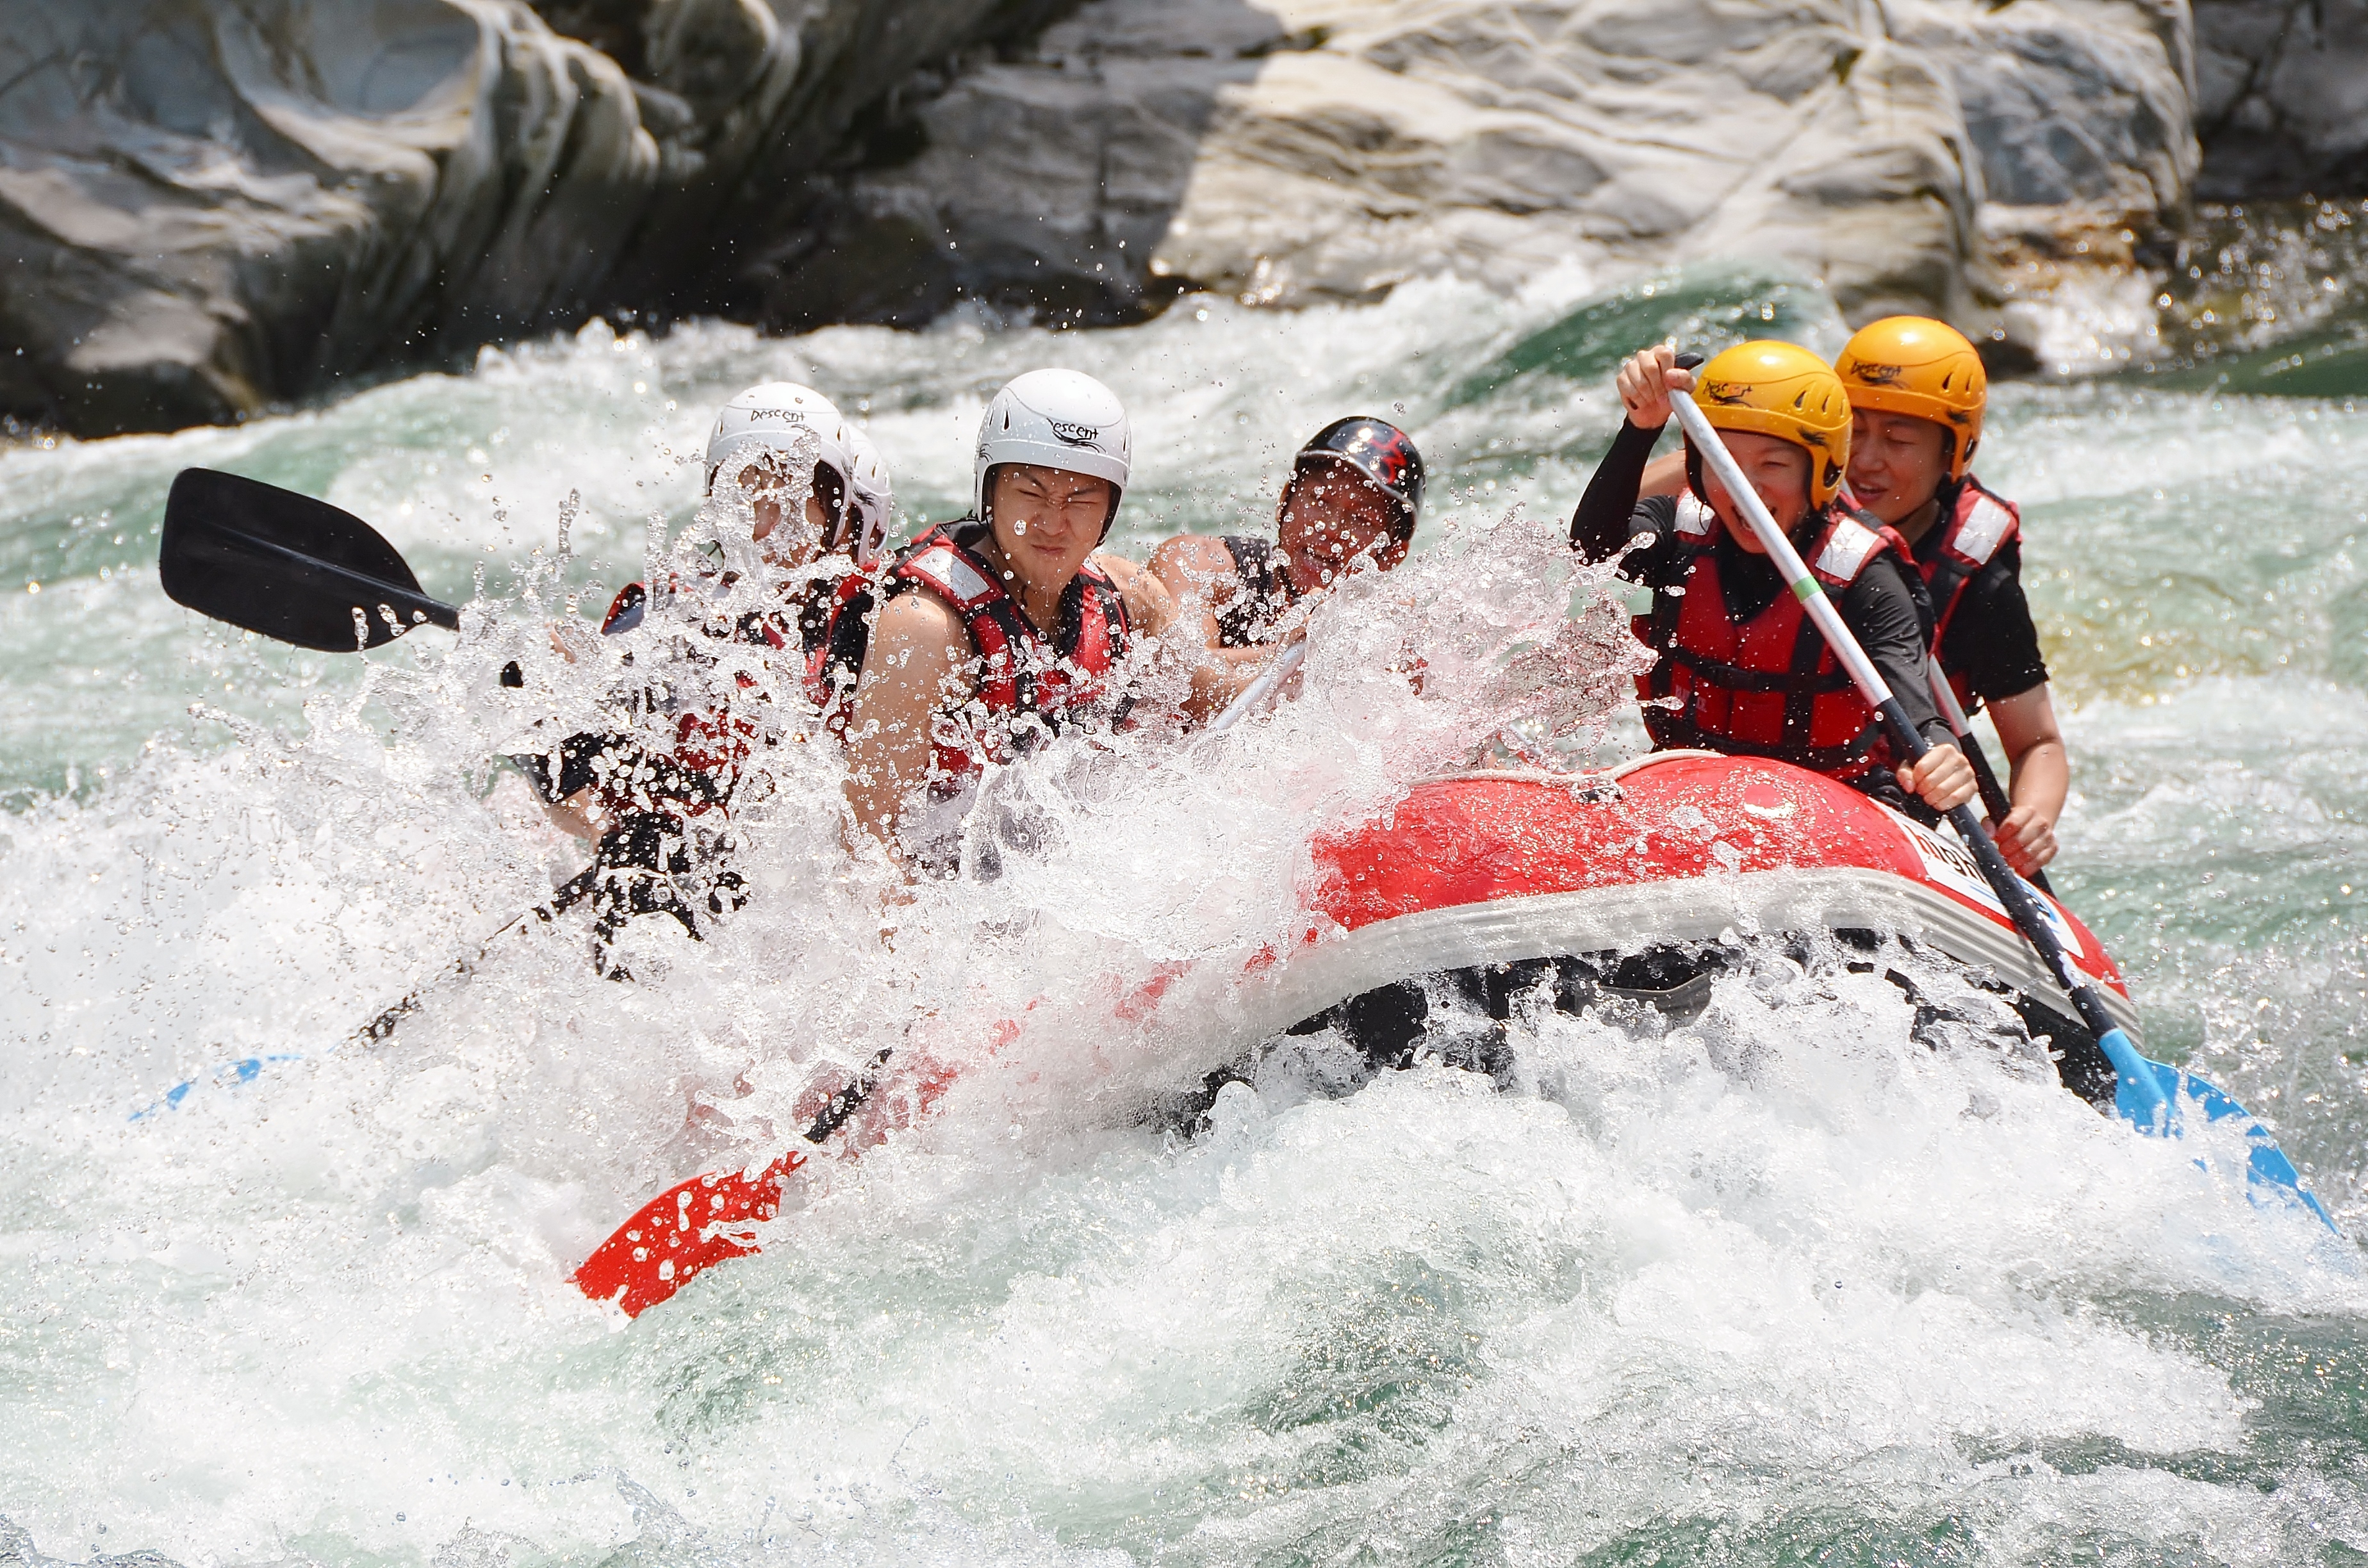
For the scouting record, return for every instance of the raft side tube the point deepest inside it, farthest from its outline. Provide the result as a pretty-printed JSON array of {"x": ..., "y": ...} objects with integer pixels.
[{"x": 1621, "y": 919}]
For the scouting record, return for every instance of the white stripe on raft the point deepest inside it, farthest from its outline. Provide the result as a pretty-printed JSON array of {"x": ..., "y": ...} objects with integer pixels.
[{"x": 1624, "y": 919}]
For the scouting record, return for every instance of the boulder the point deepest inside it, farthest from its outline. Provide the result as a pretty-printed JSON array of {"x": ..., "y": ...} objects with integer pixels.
[
  {"x": 206, "y": 208},
  {"x": 1307, "y": 150},
  {"x": 2281, "y": 97},
  {"x": 211, "y": 207}
]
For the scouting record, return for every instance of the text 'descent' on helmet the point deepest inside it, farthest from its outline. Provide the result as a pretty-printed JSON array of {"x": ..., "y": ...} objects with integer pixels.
[
  {"x": 1924, "y": 368},
  {"x": 1381, "y": 453},
  {"x": 1057, "y": 419},
  {"x": 1784, "y": 390}
]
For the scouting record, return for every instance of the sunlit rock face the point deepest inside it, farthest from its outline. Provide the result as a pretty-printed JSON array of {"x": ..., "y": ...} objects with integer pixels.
[
  {"x": 2281, "y": 97},
  {"x": 209, "y": 207},
  {"x": 204, "y": 207},
  {"x": 1300, "y": 149}
]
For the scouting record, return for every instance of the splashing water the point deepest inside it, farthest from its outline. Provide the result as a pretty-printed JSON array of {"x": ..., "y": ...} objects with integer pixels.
[{"x": 1777, "y": 1284}]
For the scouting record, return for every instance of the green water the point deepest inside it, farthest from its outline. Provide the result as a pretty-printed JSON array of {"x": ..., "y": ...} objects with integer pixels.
[{"x": 1836, "y": 1304}]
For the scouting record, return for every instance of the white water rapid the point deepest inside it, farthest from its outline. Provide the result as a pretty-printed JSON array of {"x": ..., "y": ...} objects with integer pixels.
[{"x": 1777, "y": 1286}]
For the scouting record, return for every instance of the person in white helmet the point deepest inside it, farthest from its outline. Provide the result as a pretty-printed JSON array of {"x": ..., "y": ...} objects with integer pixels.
[
  {"x": 1007, "y": 625},
  {"x": 837, "y": 623},
  {"x": 641, "y": 806},
  {"x": 752, "y": 448}
]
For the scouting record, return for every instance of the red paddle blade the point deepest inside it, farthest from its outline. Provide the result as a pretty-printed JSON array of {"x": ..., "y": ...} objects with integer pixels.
[{"x": 680, "y": 1233}]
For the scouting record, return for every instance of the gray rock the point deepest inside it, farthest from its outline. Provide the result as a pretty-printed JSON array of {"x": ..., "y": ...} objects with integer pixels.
[
  {"x": 206, "y": 208},
  {"x": 2281, "y": 97},
  {"x": 2070, "y": 106},
  {"x": 1330, "y": 149},
  {"x": 1045, "y": 183},
  {"x": 209, "y": 207}
]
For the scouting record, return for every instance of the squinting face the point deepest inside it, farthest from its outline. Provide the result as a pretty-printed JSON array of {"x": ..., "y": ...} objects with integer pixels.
[
  {"x": 1047, "y": 520},
  {"x": 1897, "y": 463},
  {"x": 1329, "y": 520},
  {"x": 1778, "y": 471}
]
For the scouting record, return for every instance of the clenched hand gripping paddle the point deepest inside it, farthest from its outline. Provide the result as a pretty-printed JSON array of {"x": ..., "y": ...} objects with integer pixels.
[{"x": 2146, "y": 1092}]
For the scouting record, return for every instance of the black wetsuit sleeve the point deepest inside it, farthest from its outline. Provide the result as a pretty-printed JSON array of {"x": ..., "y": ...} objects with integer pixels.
[
  {"x": 1601, "y": 528},
  {"x": 1610, "y": 515},
  {"x": 1251, "y": 608},
  {"x": 1991, "y": 638},
  {"x": 1881, "y": 610}
]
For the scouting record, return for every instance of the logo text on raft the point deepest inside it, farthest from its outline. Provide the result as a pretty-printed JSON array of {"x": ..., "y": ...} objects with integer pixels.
[{"x": 1079, "y": 434}]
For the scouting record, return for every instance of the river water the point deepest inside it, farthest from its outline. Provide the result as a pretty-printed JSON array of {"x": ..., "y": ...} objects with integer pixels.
[{"x": 1780, "y": 1287}]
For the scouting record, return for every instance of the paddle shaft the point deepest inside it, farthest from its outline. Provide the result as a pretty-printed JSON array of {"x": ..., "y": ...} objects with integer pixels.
[
  {"x": 575, "y": 891},
  {"x": 1258, "y": 690},
  {"x": 2020, "y": 904}
]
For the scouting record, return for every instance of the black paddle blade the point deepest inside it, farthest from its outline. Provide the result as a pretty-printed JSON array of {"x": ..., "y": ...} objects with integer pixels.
[{"x": 270, "y": 560}]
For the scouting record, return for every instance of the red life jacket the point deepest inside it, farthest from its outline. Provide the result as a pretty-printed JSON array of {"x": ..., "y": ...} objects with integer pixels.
[
  {"x": 1024, "y": 679},
  {"x": 1768, "y": 686},
  {"x": 711, "y": 746},
  {"x": 837, "y": 628},
  {"x": 1977, "y": 524}
]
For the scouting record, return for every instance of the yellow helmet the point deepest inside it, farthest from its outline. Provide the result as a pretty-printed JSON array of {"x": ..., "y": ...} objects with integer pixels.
[
  {"x": 1924, "y": 368},
  {"x": 1781, "y": 389}
]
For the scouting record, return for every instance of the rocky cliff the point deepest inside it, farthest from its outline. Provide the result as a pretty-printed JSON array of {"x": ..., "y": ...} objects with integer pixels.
[
  {"x": 1324, "y": 148},
  {"x": 2281, "y": 97},
  {"x": 210, "y": 206}
]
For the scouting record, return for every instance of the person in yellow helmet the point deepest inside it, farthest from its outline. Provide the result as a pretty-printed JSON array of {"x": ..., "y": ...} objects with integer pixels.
[
  {"x": 1918, "y": 393},
  {"x": 1741, "y": 667}
]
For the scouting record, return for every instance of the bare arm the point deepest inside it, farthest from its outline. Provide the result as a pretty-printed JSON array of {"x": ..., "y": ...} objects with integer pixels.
[
  {"x": 1198, "y": 572},
  {"x": 1150, "y": 602},
  {"x": 917, "y": 665},
  {"x": 2040, "y": 775}
]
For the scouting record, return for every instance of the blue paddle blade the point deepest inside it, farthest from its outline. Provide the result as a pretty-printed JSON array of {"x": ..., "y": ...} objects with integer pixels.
[
  {"x": 2147, "y": 1094},
  {"x": 2266, "y": 1163},
  {"x": 229, "y": 1074}
]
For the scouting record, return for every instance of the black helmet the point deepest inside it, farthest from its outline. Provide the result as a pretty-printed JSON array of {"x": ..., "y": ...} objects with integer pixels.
[{"x": 1379, "y": 451}]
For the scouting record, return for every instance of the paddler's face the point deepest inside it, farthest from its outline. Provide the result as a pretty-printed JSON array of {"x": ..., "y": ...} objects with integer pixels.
[
  {"x": 1777, "y": 470},
  {"x": 767, "y": 482},
  {"x": 1047, "y": 520},
  {"x": 1897, "y": 463},
  {"x": 1331, "y": 517}
]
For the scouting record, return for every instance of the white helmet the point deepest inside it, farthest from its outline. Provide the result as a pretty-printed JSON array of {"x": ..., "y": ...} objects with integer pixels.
[
  {"x": 769, "y": 415},
  {"x": 870, "y": 497},
  {"x": 1062, "y": 419}
]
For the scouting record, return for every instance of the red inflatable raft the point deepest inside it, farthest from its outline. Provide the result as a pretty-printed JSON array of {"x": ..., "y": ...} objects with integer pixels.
[
  {"x": 1496, "y": 868},
  {"x": 1482, "y": 877}
]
